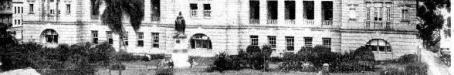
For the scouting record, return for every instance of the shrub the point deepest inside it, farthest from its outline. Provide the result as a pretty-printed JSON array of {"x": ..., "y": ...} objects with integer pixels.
[{"x": 82, "y": 58}]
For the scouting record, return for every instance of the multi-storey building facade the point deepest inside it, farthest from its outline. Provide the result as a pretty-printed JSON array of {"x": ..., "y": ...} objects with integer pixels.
[{"x": 213, "y": 26}]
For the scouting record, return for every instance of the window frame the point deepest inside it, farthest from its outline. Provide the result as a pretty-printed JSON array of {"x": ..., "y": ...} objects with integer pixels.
[
  {"x": 95, "y": 36},
  {"x": 308, "y": 41},
  {"x": 154, "y": 40},
  {"x": 254, "y": 40},
  {"x": 140, "y": 41},
  {"x": 290, "y": 43}
]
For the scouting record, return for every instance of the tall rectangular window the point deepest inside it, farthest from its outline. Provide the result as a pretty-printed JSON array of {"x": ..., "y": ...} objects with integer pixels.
[
  {"x": 254, "y": 12},
  {"x": 308, "y": 9},
  {"x": 125, "y": 39},
  {"x": 68, "y": 9},
  {"x": 155, "y": 10},
  {"x": 308, "y": 41},
  {"x": 194, "y": 8},
  {"x": 140, "y": 39},
  {"x": 290, "y": 10},
  {"x": 272, "y": 41},
  {"x": 254, "y": 40},
  {"x": 290, "y": 43},
  {"x": 327, "y": 10},
  {"x": 207, "y": 10},
  {"x": 155, "y": 40},
  {"x": 327, "y": 42},
  {"x": 94, "y": 35},
  {"x": 272, "y": 10},
  {"x": 405, "y": 15},
  {"x": 31, "y": 9},
  {"x": 109, "y": 37}
]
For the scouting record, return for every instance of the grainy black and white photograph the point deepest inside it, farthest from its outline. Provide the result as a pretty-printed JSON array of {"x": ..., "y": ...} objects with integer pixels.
[{"x": 225, "y": 37}]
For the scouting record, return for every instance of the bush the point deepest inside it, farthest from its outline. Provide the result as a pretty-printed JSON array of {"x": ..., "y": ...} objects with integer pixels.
[
  {"x": 253, "y": 57},
  {"x": 81, "y": 57}
]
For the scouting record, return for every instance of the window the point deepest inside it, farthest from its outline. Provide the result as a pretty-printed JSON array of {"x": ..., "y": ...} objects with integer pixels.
[
  {"x": 254, "y": 40},
  {"x": 125, "y": 39},
  {"x": 379, "y": 45},
  {"x": 327, "y": 10},
  {"x": 68, "y": 9},
  {"x": 95, "y": 8},
  {"x": 155, "y": 10},
  {"x": 272, "y": 10},
  {"x": 308, "y": 41},
  {"x": 308, "y": 9},
  {"x": 405, "y": 15},
  {"x": 290, "y": 10},
  {"x": 272, "y": 41},
  {"x": 94, "y": 35},
  {"x": 327, "y": 42},
  {"x": 207, "y": 10},
  {"x": 254, "y": 12},
  {"x": 31, "y": 9},
  {"x": 155, "y": 40},
  {"x": 378, "y": 14},
  {"x": 200, "y": 41},
  {"x": 290, "y": 43},
  {"x": 21, "y": 9},
  {"x": 140, "y": 39},
  {"x": 109, "y": 37},
  {"x": 194, "y": 8},
  {"x": 50, "y": 36},
  {"x": 51, "y": 11}
]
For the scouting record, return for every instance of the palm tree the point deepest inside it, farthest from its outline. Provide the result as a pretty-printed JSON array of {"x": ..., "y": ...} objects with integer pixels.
[{"x": 113, "y": 15}]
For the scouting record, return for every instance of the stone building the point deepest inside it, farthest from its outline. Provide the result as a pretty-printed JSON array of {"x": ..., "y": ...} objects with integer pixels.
[{"x": 213, "y": 26}]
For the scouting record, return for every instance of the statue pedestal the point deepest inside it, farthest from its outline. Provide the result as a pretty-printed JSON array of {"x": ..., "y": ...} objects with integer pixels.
[{"x": 180, "y": 54}]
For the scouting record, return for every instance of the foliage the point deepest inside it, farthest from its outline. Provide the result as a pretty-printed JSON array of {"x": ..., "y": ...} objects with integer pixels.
[
  {"x": 5, "y": 37},
  {"x": 432, "y": 20},
  {"x": 115, "y": 9},
  {"x": 405, "y": 65},
  {"x": 81, "y": 58},
  {"x": 253, "y": 57}
]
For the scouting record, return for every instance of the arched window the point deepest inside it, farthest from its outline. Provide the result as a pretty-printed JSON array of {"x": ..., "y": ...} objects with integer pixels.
[
  {"x": 49, "y": 36},
  {"x": 379, "y": 45},
  {"x": 200, "y": 41}
]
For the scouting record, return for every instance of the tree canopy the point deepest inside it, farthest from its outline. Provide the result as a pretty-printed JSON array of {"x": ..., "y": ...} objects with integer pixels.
[{"x": 432, "y": 20}]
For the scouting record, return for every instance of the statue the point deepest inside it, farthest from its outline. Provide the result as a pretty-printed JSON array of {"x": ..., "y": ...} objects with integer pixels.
[{"x": 180, "y": 25}]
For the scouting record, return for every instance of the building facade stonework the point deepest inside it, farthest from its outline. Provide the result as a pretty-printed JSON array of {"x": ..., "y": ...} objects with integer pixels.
[{"x": 214, "y": 26}]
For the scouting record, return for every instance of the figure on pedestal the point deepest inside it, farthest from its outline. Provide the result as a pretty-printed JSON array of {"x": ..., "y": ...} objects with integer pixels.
[
  {"x": 179, "y": 54},
  {"x": 180, "y": 26}
]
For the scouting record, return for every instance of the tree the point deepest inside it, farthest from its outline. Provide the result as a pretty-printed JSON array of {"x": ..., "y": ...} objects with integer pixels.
[
  {"x": 431, "y": 20},
  {"x": 116, "y": 9}
]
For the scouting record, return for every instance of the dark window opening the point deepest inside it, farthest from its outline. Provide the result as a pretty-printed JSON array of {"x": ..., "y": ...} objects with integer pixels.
[
  {"x": 327, "y": 42},
  {"x": 272, "y": 10},
  {"x": 272, "y": 41},
  {"x": 290, "y": 43},
  {"x": 200, "y": 41},
  {"x": 290, "y": 10},
  {"x": 109, "y": 37},
  {"x": 94, "y": 35},
  {"x": 68, "y": 8},
  {"x": 155, "y": 40},
  {"x": 327, "y": 10},
  {"x": 254, "y": 9},
  {"x": 140, "y": 39},
  {"x": 31, "y": 11},
  {"x": 207, "y": 10},
  {"x": 95, "y": 7},
  {"x": 125, "y": 39},
  {"x": 254, "y": 40},
  {"x": 50, "y": 36},
  {"x": 155, "y": 10},
  {"x": 379, "y": 45},
  {"x": 308, "y": 41},
  {"x": 308, "y": 9},
  {"x": 194, "y": 8}
]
